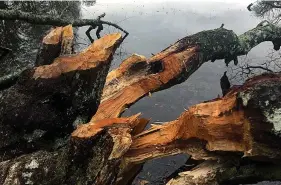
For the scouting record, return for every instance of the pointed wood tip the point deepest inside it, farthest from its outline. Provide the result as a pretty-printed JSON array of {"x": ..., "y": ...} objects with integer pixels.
[
  {"x": 54, "y": 36},
  {"x": 92, "y": 128},
  {"x": 100, "y": 52}
]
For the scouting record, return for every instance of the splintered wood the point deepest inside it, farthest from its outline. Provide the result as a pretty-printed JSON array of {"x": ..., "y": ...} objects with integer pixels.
[
  {"x": 99, "y": 52},
  {"x": 137, "y": 77},
  {"x": 239, "y": 122},
  {"x": 91, "y": 129}
]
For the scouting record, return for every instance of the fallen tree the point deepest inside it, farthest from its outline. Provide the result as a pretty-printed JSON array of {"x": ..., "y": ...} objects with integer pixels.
[
  {"x": 56, "y": 21},
  {"x": 42, "y": 109},
  {"x": 242, "y": 123},
  {"x": 48, "y": 100},
  {"x": 48, "y": 41},
  {"x": 137, "y": 76},
  {"x": 246, "y": 121}
]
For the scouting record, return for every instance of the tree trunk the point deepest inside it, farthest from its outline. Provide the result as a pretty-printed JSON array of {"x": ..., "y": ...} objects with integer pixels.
[
  {"x": 137, "y": 77},
  {"x": 245, "y": 121},
  {"x": 92, "y": 156},
  {"x": 229, "y": 171},
  {"x": 48, "y": 100},
  {"x": 45, "y": 105}
]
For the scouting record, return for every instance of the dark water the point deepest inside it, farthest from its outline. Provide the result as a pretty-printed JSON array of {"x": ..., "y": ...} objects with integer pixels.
[{"x": 152, "y": 26}]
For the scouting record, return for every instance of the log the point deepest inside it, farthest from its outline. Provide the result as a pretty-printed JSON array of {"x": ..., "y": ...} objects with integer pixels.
[
  {"x": 47, "y": 100},
  {"x": 138, "y": 77},
  {"x": 246, "y": 121},
  {"x": 92, "y": 156},
  {"x": 229, "y": 172},
  {"x": 55, "y": 20}
]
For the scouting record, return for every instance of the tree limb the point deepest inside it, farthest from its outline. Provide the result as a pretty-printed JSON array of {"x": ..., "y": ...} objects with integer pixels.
[
  {"x": 243, "y": 121},
  {"x": 55, "y": 21},
  {"x": 137, "y": 76},
  {"x": 51, "y": 99},
  {"x": 230, "y": 172}
]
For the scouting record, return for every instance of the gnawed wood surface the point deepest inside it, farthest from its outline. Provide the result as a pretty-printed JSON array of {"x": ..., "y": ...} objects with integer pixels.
[
  {"x": 245, "y": 121},
  {"x": 137, "y": 77},
  {"x": 47, "y": 100}
]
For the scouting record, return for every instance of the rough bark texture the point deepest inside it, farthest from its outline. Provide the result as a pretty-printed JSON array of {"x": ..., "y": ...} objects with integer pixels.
[
  {"x": 91, "y": 157},
  {"x": 46, "y": 101},
  {"x": 55, "y": 21},
  {"x": 137, "y": 77},
  {"x": 229, "y": 172},
  {"x": 245, "y": 121}
]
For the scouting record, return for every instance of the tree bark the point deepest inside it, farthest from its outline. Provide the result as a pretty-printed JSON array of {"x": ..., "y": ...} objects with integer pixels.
[
  {"x": 245, "y": 121},
  {"x": 228, "y": 171},
  {"x": 55, "y": 21},
  {"x": 48, "y": 101},
  {"x": 92, "y": 156},
  {"x": 137, "y": 76}
]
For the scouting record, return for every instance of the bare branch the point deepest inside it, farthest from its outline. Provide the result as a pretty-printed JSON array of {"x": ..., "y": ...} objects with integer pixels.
[{"x": 55, "y": 21}]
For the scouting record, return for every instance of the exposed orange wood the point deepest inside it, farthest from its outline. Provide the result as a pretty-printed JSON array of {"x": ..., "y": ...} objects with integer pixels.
[
  {"x": 136, "y": 78},
  {"x": 67, "y": 40},
  {"x": 92, "y": 128},
  {"x": 99, "y": 52},
  {"x": 51, "y": 46},
  {"x": 54, "y": 37},
  {"x": 223, "y": 124}
]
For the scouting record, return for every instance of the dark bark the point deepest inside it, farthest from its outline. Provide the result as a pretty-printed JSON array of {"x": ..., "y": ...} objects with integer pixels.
[
  {"x": 137, "y": 76},
  {"x": 4, "y": 52},
  {"x": 50, "y": 47},
  {"x": 229, "y": 172},
  {"x": 55, "y": 21},
  {"x": 92, "y": 156},
  {"x": 47, "y": 101}
]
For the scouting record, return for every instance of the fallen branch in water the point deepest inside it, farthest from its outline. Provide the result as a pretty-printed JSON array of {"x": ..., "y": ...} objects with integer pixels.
[
  {"x": 137, "y": 76},
  {"x": 58, "y": 21}
]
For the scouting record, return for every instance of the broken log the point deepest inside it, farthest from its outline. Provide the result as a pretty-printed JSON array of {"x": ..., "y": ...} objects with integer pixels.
[
  {"x": 46, "y": 101},
  {"x": 229, "y": 171},
  {"x": 246, "y": 121},
  {"x": 137, "y": 77},
  {"x": 92, "y": 156}
]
